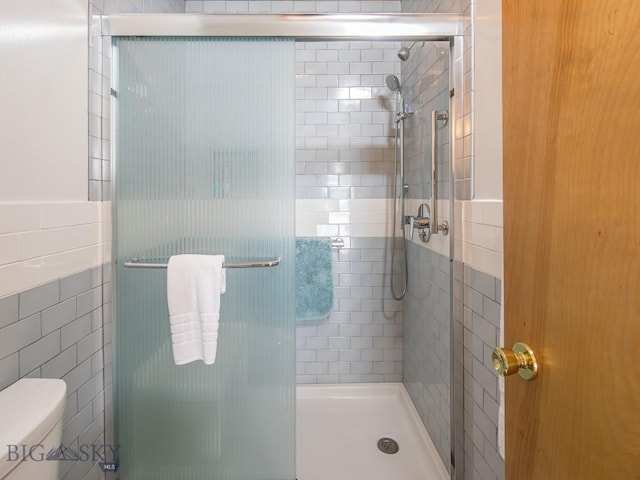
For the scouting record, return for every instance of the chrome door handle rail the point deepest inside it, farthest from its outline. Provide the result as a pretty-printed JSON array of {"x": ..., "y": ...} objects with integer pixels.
[
  {"x": 436, "y": 227},
  {"x": 134, "y": 263}
]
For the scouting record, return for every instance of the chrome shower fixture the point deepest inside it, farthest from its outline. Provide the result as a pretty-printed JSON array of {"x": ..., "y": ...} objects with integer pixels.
[
  {"x": 402, "y": 109},
  {"x": 393, "y": 83},
  {"x": 404, "y": 52}
]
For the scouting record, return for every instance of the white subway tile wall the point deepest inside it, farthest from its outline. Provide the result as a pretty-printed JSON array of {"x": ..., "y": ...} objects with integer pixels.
[
  {"x": 464, "y": 126},
  {"x": 298, "y": 6},
  {"x": 344, "y": 165},
  {"x": 344, "y": 119},
  {"x": 344, "y": 173},
  {"x": 483, "y": 233}
]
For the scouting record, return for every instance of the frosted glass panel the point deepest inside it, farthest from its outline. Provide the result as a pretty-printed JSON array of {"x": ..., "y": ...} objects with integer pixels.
[{"x": 205, "y": 164}]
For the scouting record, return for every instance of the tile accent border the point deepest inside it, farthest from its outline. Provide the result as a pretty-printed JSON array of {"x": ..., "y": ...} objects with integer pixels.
[
  {"x": 40, "y": 242},
  {"x": 349, "y": 217},
  {"x": 482, "y": 234}
]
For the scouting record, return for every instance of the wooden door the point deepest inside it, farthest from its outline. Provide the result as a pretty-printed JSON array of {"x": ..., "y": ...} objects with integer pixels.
[{"x": 572, "y": 236}]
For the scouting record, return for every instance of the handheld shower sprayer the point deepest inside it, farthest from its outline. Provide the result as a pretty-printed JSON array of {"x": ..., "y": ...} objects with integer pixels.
[{"x": 394, "y": 85}]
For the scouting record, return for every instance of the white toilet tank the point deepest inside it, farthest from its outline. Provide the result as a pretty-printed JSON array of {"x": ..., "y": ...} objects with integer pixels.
[{"x": 31, "y": 413}]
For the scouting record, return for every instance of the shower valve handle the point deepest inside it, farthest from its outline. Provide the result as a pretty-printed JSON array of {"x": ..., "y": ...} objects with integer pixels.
[{"x": 421, "y": 222}]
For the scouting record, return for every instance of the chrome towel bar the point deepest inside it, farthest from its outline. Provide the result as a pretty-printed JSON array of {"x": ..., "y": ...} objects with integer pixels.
[{"x": 134, "y": 263}]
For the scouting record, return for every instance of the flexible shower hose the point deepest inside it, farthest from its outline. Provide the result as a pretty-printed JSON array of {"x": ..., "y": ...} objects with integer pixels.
[{"x": 395, "y": 210}]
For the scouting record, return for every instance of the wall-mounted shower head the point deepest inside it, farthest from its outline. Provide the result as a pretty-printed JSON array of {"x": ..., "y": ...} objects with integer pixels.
[
  {"x": 393, "y": 83},
  {"x": 404, "y": 52}
]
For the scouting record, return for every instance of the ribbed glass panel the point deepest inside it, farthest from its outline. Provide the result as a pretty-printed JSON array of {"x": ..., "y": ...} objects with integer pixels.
[{"x": 205, "y": 164}]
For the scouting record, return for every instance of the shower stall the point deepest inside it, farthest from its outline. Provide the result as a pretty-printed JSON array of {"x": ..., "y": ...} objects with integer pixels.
[{"x": 203, "y": 142}]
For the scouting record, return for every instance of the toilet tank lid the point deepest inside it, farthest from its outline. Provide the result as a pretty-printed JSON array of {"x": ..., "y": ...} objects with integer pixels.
[{"x": 29, "y": 409}]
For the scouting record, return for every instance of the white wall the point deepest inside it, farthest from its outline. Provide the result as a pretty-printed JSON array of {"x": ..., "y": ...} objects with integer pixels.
[
  {"x": 48, "y": 229},
  {"x": 43, "y": 93},
  {"x": 487, "y": 88}
]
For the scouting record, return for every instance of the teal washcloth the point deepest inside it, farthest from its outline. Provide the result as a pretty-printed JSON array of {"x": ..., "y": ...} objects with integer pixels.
[{"x": 314, "y": 278}]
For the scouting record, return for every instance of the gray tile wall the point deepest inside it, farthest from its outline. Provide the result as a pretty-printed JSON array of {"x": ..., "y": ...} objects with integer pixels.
[
  {"x": 427, "y": 357},
  {"x": 56, "y": 331},
  {"x": 479, "y": 306},
  {"x": 426, "y": 351},
  {"x": 361, "y": 340}
]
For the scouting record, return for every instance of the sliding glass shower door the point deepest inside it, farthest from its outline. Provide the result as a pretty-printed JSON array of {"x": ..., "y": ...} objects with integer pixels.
[
  {"x": 205, "y": 164},
  {"x": 427, "y": 315}
]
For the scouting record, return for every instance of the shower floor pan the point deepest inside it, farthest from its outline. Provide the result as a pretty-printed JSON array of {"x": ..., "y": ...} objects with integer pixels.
[{"x": 338, "y": 428}]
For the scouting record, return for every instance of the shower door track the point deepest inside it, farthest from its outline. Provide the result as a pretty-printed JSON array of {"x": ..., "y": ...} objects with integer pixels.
[
  {"x": 405, "y": 27},
  {"x": 306, "y": 27}
]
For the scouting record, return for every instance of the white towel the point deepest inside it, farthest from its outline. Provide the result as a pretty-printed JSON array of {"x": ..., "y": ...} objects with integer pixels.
[{"x": 194, "y": 286}]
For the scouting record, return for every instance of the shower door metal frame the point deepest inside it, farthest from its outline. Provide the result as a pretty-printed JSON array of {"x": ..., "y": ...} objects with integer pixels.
[
  {"x": 302, "y": 26},
  {"x": 336, "y": 27}
]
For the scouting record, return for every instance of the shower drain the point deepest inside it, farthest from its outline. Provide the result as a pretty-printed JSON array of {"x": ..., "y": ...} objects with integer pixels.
[{"x": 388, "y": 445}]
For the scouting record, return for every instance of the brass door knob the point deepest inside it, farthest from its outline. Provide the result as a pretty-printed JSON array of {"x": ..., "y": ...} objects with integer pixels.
[{"x": 520, "y": 360}]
